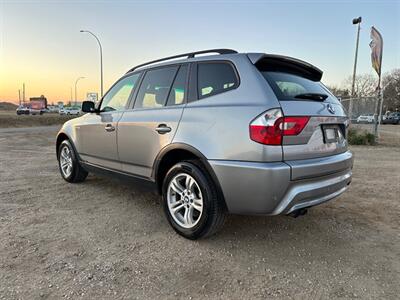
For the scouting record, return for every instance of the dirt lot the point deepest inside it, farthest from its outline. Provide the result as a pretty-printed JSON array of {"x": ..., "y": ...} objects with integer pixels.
[
  {"x": 101, "y": 239},
  {"x": 10, "y": 119}
]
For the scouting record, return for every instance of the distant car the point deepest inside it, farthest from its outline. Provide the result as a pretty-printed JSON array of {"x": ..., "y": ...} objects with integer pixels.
[
  {"x": 365, "y": 118},
  {"x": 52, "y": 109},
  {"x": 22, "y": 110},
  {"x": 393, "y": 118},
  {"x": 70, "y": 111}
]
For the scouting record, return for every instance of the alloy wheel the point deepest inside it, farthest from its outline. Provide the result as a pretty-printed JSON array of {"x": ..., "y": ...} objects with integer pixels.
[
  {"x": 66, "y": 161},
  {"x": 185, "y": 201}
]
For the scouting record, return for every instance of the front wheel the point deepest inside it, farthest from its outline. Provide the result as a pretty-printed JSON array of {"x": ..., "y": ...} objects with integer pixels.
[
  {"x": 68, "y": 163},
  {"x": 191, "y": 202}
]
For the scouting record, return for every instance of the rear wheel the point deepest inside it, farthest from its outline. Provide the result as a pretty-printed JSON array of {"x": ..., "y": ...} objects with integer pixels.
[
  {"x": 191, "y": 202},
  {"x": 68, "y": 163}
]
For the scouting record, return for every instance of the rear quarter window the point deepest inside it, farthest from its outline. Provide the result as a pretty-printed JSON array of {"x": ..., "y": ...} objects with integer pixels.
[{"x": 214, "y": 78}]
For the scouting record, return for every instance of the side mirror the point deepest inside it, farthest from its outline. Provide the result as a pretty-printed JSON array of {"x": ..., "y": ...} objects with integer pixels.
[{"x": 88, "y": 106}]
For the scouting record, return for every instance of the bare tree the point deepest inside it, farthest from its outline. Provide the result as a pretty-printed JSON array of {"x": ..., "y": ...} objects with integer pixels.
[
  {"x": 365, "y": 85},
  {"x": 391, "y": 90},
  {"x": 339, "y": 92}
]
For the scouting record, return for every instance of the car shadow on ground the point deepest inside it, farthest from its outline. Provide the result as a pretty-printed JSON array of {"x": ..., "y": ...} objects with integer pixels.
[{"x": 324, "y": 226}]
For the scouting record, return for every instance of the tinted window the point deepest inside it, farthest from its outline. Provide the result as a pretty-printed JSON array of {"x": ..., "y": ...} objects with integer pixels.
[
  {"x": 154, "y": 89},
  {"x": 178, "y": 91},
  {"x": 286, "y": 86},
  {"x": 215, "y": 78},
  {"x": 117, "y": 97}
]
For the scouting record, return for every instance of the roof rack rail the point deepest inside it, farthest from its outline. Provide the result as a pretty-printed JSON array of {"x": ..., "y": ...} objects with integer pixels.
[{"x": 187, "y": 55}]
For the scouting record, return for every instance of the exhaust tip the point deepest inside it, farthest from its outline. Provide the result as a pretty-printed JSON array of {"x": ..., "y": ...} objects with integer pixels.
[{"x": 299, "y": 212}]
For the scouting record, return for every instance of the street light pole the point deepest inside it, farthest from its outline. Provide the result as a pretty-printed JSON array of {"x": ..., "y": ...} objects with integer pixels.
[
  {"x": 76, "y": 82},
  {"x": 355, "y": 21},
  {"x": 101, "y": 60}
]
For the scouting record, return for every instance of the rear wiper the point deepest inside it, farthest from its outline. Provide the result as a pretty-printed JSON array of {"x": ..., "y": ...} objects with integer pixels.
[{"x": 312, "y": 96}]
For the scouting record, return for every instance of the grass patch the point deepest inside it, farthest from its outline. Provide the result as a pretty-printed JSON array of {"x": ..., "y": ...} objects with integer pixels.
[
  {"x": 11, "y": 119},
  {"x": 360, "y": 137}
]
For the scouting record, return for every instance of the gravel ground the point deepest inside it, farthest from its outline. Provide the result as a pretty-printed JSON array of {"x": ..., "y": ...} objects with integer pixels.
[{"x": 103, "y": 239}]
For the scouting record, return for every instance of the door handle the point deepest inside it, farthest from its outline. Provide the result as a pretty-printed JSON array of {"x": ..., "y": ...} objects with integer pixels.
[
  {"x": 163, "y": 129},
  {"x": 109, "y": 128}
]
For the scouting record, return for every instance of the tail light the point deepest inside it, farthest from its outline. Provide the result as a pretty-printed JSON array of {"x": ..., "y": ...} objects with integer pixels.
[{"x": 270, "y": 127}]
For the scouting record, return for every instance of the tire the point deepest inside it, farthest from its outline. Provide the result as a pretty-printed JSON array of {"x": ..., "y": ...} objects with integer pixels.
[
  {"x": 75, "y": 171},
  {"x": 200, "y": 187}
]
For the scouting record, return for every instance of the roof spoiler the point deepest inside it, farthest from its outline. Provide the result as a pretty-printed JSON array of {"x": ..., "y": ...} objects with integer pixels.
[{"x": 298, "y": 66}]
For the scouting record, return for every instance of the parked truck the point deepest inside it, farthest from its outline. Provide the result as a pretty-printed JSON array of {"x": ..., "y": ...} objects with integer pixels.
[{"x": 36, "y": 107}]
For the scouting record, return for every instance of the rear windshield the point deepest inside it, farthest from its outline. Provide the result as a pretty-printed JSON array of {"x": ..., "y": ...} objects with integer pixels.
[{"x": 287, "y": 86}]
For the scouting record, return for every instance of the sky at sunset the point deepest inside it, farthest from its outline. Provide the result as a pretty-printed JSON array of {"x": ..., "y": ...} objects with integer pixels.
[{"x": 40, "y": 42}]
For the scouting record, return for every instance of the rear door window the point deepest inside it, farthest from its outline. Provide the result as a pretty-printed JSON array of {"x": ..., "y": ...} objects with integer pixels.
[
  {"x": 155, "y": 87},
  {"x": 288, "y": 86},
  {"x": 215, "y": 78}
]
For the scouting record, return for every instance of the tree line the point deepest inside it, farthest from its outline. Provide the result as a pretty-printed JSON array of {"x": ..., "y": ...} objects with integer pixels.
[{"x": 366, "y": 86}]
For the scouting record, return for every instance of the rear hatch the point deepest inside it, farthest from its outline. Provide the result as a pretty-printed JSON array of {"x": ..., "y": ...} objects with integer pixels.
[{"x": 296, "y": 85}]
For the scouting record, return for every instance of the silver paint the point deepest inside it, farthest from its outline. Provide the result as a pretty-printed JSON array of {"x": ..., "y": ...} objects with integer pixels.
[{"x": 255, "y": 178}]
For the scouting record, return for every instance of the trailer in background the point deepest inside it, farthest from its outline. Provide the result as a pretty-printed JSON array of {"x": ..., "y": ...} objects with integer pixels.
[{"x": 37, "y": 107}]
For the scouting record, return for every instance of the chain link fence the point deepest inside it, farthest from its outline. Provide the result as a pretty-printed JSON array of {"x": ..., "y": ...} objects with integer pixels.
[{"x": 364, "y": 110}]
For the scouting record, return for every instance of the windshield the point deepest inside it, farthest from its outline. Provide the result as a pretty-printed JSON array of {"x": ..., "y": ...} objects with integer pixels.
[{"x": 293, "y": 87}]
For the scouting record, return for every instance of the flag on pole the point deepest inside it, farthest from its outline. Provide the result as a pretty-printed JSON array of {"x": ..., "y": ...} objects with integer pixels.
[{"x": 376, "y": 45}]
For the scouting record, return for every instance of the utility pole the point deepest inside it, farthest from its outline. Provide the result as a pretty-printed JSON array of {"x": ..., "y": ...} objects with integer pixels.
[
  {"x": 19, "y": 97},
  {"x": 23, "y": 92},
  {"x": 355, "y": 21},
  {"x": 101, "y": 60},
  {"x": 378, "y": 108},
  {"x": 76, "y": 82}
]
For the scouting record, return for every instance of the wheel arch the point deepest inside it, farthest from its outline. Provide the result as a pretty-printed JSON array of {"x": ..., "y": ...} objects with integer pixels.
[
  {"x": 174, "y": 153},
  {"x": 62, "y": 136}
]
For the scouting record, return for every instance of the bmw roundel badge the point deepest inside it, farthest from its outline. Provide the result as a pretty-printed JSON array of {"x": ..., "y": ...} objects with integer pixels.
[{"x": 330, "y": 108}]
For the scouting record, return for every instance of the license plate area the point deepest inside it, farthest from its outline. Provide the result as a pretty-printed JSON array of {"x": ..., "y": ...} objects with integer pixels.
[{"x": 331, "y": 133}]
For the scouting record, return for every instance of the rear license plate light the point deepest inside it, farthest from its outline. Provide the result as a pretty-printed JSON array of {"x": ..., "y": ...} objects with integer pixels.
[{"x": 331, "y": 134}]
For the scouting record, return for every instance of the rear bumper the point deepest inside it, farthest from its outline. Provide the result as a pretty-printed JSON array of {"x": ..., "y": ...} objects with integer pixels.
[{"x": 282, "y": 187}]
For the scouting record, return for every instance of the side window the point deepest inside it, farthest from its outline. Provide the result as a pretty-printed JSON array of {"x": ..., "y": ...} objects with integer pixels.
[
  {"x": 215, "y": 78},
  {"x": 178, "y": 91},
  {"x": 118, "y": 96},
  {"x": 154, "y": 89}
]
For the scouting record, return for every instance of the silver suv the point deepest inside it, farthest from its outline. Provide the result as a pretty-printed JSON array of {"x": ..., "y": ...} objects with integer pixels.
[{"x": 240, "y": 133}]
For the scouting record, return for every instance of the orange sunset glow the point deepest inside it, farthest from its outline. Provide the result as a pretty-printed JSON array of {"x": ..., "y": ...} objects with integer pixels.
[{"x": 41, "y": 44}]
